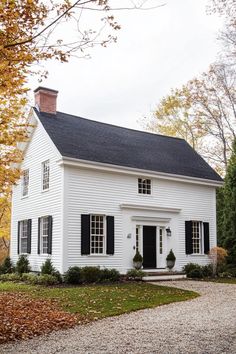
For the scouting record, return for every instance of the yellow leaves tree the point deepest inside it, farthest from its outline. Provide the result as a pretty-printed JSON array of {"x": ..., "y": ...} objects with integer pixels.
[
  {"x": 30, "y": 33},
  {"x": 5, "y": 216},
  {"x": 204, "y": 113},
  {"x": 28, "y": 36}
]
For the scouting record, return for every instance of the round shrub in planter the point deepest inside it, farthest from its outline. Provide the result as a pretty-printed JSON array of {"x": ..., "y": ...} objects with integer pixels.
[
  {"x": 137, "y": 260},
  {"x": 170, "y": 260},
  {"x": 73, "y": 276}
]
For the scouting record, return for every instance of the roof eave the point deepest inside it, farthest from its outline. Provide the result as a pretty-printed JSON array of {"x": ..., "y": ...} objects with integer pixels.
[{"x": 69, "y": 161}]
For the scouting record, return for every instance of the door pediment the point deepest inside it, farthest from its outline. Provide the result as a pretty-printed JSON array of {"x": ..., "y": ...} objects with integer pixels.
[
  {"x": 151, "y": 219},
  {"x": 150, "y": 208}
]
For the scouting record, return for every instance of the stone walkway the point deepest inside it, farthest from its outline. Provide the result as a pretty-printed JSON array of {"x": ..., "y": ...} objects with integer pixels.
[{"x": 204, "y": 325}]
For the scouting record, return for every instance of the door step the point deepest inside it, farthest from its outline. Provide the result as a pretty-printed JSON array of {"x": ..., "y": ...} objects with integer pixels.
[{"x": 164, "y": 276}]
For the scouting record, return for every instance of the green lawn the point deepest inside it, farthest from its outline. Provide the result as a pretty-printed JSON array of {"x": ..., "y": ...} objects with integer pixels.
[{"x": 94, "y": 302}]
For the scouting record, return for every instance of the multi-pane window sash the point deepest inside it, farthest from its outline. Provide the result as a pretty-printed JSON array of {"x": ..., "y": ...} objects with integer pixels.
[
  {"x": 44, "y": 230},
  {"x": 45, "y": 175},
  {"x": 25, "y": 183},
  {"x": 97, "y": 234},
  {"x": 23, "y": 236},
  {"x": 137, "y": 238},
  {"x": 197, "y": 237},
  {"x": 144, "y": 186},
  {"x": 161, "y": 240}
]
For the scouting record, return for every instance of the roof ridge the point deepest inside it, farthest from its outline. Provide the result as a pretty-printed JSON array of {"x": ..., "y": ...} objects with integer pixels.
[{"x": 118, "y": 126}]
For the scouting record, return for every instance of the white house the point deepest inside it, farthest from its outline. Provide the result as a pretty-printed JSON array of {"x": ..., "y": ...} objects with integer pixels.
[{"x": 92, "y": 193}]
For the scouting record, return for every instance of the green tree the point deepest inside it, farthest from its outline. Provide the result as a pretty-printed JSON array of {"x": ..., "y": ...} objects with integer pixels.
[
  {"x": 229, "y": 211},
  {"x": 220, "y": 215}
]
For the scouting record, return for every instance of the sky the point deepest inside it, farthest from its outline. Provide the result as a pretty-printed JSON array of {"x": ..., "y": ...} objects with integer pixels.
[{"x": 156, "y": 50}]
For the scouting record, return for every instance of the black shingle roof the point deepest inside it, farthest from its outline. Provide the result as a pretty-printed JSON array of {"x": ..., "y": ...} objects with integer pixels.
[{"x": 99, "y": 142}]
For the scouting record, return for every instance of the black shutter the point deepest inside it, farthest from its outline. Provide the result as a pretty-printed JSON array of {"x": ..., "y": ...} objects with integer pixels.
[
  {"x": 39, "y": 223},
  {"x": 18, "y": 237},
  {"x": 110, "y": 234},
  {"x": 206, "y": 237},
  {"x": 29, "y": 228},
  {"x": 85, "y": 234},
  {"x": 188, "y": 237},
  {"x": 50, "y": 234}
]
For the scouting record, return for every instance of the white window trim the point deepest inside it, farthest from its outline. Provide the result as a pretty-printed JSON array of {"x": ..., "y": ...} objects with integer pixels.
[
  {"x": 104, "y": 237},
  {"x": 151, "y": 189},
  {"x": 41, "y": 235},
  {"x": 22, "y": 185},
  {"x": 21, "y": 231},
  {"x": 201, "y": 253},
  {"x": 42, "y": 176}
]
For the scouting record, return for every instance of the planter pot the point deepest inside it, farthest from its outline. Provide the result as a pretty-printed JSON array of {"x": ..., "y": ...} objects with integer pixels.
[
  {"x": 170, "y": 264},
  {"x": 137, "y": 265}
]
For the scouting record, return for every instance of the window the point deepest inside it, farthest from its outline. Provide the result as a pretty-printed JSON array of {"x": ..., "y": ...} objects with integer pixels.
[
  {"x": 97, "y": 234},
  {"x": 137, "y": 238},
  {"x": 144, "y": 186},
  {"x": 44, "y": 234},
  {"x": 161, "y": 241},
  {"x": 25, "y": 183},
  {"x": 24, "y": 234},
  {"x": 197, "y": 236},
  {"x": 45, "y": 175}
]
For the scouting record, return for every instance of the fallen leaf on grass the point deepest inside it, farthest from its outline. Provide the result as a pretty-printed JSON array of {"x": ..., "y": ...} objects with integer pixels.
[{"x": 22, "y": 317}]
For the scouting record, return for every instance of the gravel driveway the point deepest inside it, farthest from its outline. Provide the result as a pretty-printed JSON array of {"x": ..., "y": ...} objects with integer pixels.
[{"x": 203, "y": 325}]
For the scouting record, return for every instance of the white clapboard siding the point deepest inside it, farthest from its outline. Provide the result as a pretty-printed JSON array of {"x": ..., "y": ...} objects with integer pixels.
[
  {"x": 39, "y": 203},
  {"x": 90, "y": 191},
  {"x": 75, "y": 191}
]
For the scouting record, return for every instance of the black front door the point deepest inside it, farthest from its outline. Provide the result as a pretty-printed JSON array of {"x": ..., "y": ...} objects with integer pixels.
[{"x": 149, "y": 247}]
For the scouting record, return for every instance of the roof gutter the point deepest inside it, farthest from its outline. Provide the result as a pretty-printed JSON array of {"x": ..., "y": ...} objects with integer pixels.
[{"x": 69, "y": 161}]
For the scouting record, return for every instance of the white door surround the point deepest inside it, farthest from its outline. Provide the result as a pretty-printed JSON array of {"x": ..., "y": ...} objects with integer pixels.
[{"x": 161, "y": 241}]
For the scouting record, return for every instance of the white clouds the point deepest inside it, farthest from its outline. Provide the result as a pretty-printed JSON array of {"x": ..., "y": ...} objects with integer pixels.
[{"x": 156, "y": 50}]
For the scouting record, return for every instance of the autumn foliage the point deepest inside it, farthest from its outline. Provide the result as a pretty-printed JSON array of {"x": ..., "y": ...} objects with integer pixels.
[
  {"x": 218, "y": 257},
  {"x": 22, "y": 317},
  {"x": 30, "y": 34}
]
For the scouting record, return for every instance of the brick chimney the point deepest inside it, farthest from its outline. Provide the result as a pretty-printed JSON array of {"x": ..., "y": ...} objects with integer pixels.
[{"x": 46, "y": 100}]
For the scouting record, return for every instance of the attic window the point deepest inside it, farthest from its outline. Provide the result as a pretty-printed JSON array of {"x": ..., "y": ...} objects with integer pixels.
[
  {"x": 144, "y": 186},
  {"x": 45, "y": 175}
]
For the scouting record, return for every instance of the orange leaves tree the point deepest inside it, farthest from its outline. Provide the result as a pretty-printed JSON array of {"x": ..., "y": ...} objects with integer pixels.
[
  {"x": 30, "y": 32},
  {"x": 217, "y": 256}
]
